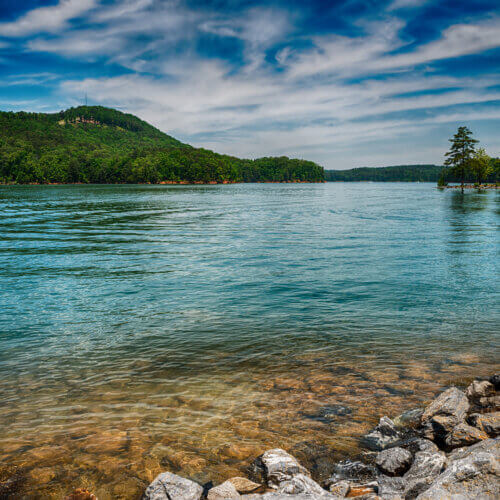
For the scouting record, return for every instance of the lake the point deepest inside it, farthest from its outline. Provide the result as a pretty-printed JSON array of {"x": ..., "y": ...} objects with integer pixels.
[{"x": 190, "y": 328}]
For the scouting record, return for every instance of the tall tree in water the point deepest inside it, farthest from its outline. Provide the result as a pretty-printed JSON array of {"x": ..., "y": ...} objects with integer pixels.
[{"x": 460, "y": 153}]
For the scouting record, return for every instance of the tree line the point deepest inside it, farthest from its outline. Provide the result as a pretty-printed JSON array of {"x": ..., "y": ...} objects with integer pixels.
[
  {"x": 94, "y": 144},
  {"x": 397, "y": 173}
]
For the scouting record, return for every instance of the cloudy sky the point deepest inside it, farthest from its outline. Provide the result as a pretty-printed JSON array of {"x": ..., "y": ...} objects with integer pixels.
[{"x": 344, "y": 83}]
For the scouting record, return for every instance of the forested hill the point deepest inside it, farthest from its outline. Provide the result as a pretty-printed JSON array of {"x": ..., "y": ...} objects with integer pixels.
[
  {"x": 398, "y": 173},
  {"x": 94, "y": 144}
]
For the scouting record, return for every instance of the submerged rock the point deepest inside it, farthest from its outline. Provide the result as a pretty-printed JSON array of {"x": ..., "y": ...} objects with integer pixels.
[
  {"x": 394, "y": 461},
  {"x": 383, "y": 436},
  {"x": 410, "y": 418},
  {"x": 167, "y": 486},
  {"x": 81, "y": 494},
  {"x": 444, "y": 413},
  {"x": 487, "y": 422},
  {"x": 329, "y": 414}
]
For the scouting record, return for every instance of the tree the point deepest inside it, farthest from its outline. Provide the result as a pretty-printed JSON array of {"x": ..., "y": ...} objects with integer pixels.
[
  {"x": 460, "y": 153},
  {"x": 480, "y": 165}
]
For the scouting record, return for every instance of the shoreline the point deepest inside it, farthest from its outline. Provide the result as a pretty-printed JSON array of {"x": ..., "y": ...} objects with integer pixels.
[
  {"x": 471, "y": 186},
  {"x": 162, "y": 183},
  {"x": 424, "y": 453}
]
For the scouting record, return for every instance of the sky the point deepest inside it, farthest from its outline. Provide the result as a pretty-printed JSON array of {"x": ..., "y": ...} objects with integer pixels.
[{"x": 343, "y": 83}]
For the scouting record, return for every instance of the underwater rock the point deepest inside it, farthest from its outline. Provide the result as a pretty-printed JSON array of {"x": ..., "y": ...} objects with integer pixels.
[
  {"x": 383, "y": 436},
  {"x": 81, "y": 494}
]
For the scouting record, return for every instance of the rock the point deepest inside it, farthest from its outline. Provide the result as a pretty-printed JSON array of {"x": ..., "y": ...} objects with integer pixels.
[
  {"x": 445, "y": 412},
  {"x": 464, "y": 435},
  {"x": 363, "y": 490},
  {"x": 168, "y": 486},
  {"x": 491, "y": 403},
  {"x": 487, "y": 422},
  {"x": 480, "y": 389},
  {"x": 495, "y": 380},
  {"x": 12, "y": 480},
  {"x": 42, "y": 475},
  {"x": 284, "y": 496},
  {"x": 244, "y": 485},
  {"x": 477, "y": 475},
  {"x": 353, "y": 471},
  {"x": 394, "y": 461},
  {"x": 426, "y": 467},
  {"x": 414, "y": 445},
  {"x": 278, "y": 466},
  {"x": 224, "y": 490},
  {"x": 410, "y": 418},
  {"x": 328, "y": 414},
  {"x": 340, "y": 488},
  {"x": 81, "y": 494},
  {"x": 383, "y": 436},
  {"x": 391, "y": 488},
  {"x": 488, "y": 446},
  {"x": 300, "y": 484}
]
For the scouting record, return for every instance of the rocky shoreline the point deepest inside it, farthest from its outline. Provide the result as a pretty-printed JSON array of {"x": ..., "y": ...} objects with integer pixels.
[{"x": 450, "y": 449}]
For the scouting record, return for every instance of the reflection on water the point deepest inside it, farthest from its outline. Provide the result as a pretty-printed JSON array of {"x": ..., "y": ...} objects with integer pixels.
[{"x": 146, "y": 328}]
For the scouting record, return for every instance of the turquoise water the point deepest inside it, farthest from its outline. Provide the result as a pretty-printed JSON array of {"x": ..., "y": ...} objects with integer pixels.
[{"x": 118, "y": 301}]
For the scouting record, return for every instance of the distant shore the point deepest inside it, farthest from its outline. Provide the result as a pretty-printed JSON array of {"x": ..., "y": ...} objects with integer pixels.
[
  {"x": 471, "y": 186},
  {"x": 162, "y": 183}
]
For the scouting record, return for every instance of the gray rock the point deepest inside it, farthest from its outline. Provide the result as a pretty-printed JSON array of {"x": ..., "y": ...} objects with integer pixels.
[
  {"x": 224, "y": 490},
  {"x": 464, "y": 435},
  {"x": 383, "y": 436},
  {"x": 415, "y": 445},
  {"x": 168, "y": 486},
  {"x": 476, "y": 476},
  {"x": 479, "y": 389},
  {"x": 394, "y": 461},
  {"x": 445, "y": 412},
  {"x": 426, "y": 467},
  {"x": 488, "y": 445},
  {"x": 487, "y": 422},
  {"x": 278, "y": 466},
  {"x": 300, "y": 484},
  {"x": 391, "y": 488},
  {"x": 284, "y": 496}
]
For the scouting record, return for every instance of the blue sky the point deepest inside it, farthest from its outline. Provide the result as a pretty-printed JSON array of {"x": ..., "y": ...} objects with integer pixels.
[{"x": 344, "y": 83}]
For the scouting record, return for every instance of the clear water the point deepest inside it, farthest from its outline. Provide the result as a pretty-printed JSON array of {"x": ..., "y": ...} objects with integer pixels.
[{"x": 189, "y": 328}]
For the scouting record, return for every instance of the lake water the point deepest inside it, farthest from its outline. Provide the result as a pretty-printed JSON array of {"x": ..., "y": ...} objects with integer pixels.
[{"x": 189, "y": 328}]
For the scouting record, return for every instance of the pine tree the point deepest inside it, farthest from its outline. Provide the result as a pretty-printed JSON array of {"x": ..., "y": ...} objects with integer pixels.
[{"x": 460, "y": 154}]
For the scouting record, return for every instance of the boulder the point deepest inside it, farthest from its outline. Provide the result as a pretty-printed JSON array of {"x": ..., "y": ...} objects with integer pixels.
[
  {"x": 495, "y": 380},
  {"x": 488, "y": 446},
  {"x": 224, "y": 490},
  {"x": 391, "y": 488},
  {"x": 477, "y": 475},
  {"x": 464, "y": 435},
  {"x": 278, "y": 466},
  {"x": 284, "y": 496},
  {"x": 487, "y": 422},
  {"x": 426, "y": 466},
  {"x": 300, "y": 484},
  {"x": 383, "y": 436},
  {"x": 444, "y": 413},
  {"x": 244, "y": 485},
  {"x": 394, "y": 461},
  {"x": 480, "y": 389},
  {"x": 167, "y": 486},
  {"x": 416, "y": 444}
]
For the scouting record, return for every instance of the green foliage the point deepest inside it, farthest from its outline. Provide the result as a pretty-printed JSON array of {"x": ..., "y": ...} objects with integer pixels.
[
  {"x": 399, "y": 173},
  {"x": 460, "y": 154},
  {"x": 94, "y": 144},
  {"x": 481, "y": 165}
]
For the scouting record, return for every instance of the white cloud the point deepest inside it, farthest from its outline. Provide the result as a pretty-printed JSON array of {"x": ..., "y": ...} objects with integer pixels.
[{"x": 46, "y": 19}]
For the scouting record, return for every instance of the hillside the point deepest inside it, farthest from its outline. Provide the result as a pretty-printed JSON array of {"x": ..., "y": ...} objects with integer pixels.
[
  {"x": 94, "y": 144},
  {"x": 398, "y": 173}
]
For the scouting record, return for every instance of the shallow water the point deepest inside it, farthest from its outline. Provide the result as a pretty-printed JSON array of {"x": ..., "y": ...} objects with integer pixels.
[{"x": 189, "y": 328}]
